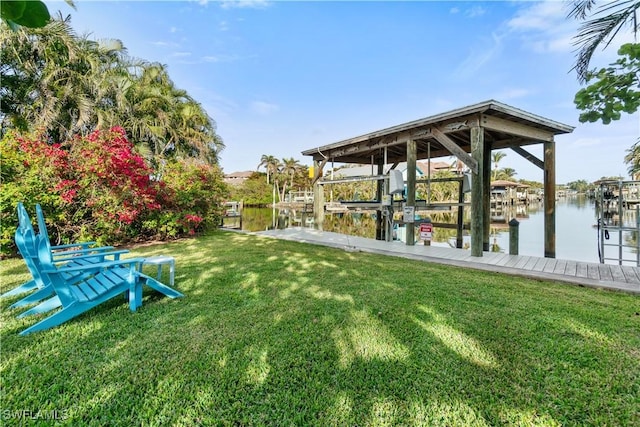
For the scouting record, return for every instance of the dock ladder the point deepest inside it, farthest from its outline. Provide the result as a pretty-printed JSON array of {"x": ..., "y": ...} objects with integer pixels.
[{"x": 618, "y": 204}]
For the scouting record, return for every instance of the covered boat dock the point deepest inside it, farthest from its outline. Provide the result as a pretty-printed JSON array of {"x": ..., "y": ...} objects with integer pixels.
[{"x": 470, "y": 134}]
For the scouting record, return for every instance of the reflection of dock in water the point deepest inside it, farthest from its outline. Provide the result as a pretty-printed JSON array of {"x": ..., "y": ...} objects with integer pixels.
[
  {"x": 501, "y": 215},
  {"x": 232, "y": 216}
]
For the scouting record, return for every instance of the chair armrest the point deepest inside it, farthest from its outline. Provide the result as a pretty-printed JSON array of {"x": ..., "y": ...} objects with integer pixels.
[
  {"x": 97, "y": 265},
  {"x": 87, "y": 256},
  {"x": 73, "y": 245},
  {"x": 83, "y": 251}
]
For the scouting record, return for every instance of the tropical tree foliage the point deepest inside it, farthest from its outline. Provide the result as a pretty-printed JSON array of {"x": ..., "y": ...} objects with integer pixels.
[
  {"x": 31, "y": 13},
  {"x": 106, "y": 143},
  {"x": 496, "y": 157},
  {"x": 271, "y": 165},
  {"x": 633, "y": 159},
  {"x": 446, "y": 191},
  {"x": 254, "y": 191},
  {"x": 100, "y": 188},
  {"x": 285, "y": 174},
  {"x": 505, "y": 173},
  {"x": 57, "y": 82},
  {"x": 612, "y": 90},
  {"x": 601, "y": 22},
  {"x": 532, "y": 184},
  {"x": 615, "y": 89},
  {"x": 580, "y": 185}
]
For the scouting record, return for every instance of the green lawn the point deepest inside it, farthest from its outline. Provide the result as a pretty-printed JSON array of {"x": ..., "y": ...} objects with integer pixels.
[{"x": 282, "y": 333}]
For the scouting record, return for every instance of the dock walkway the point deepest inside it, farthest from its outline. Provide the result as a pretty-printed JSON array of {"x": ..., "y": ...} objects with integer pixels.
[{"x": 604, "y": 276}]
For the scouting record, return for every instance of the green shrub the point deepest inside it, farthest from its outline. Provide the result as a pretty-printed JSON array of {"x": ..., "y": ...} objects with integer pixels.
[{"x": 99, "y": 188}]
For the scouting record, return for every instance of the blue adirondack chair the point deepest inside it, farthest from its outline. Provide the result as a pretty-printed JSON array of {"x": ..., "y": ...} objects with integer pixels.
[
  {"x": 26, "y": 227},
  {"x": 103, "y": 281},
  {"x": 27, "y": 243}
]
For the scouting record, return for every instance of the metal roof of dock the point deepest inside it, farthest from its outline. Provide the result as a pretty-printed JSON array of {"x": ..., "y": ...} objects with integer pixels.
[{"x": 504, "y": 126}]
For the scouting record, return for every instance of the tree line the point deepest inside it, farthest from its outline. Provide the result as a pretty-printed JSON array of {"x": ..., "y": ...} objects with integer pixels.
[
  {"x": 107, "y": 143},
  {"x": 64, "y": 84}
]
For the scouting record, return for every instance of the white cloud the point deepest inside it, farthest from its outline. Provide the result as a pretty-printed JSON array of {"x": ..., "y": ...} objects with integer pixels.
[
  {"x": 471, "y": 12},
  {"x": 164, "y": 44},
  {"x": 252, "y": 4},
  {"x": 223, "y": 26},
  {"x": 544, "y": 27},
  {"x": 480, "y": 56},
  {"x": 180, "y": 54},
  {"x": 475, "y": 11},
  {"x": 540, "y": 16},
  {"x": 220, "y": 58},
  {"x": 200, "y": 2},
  {"x": 263, "y": 108}
]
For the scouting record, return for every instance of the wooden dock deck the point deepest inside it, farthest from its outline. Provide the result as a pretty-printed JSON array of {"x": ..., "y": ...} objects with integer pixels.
[{"x": 605, "y": 276}]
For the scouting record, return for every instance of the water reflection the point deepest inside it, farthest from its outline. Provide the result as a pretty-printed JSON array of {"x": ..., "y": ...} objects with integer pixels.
[{"x": 576, "y": 227}]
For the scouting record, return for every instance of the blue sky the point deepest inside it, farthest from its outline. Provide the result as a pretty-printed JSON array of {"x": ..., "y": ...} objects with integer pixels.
[{"x": 280, "y": 77}]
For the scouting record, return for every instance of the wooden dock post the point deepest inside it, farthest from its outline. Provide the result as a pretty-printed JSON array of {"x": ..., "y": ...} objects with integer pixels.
[
  {"x": 318, "y": 206},
  {"x": 477, "y": 191},
  {"x": 411, "y": 189},
  {"x": 459, "y": 232},
  {"x": 380, "y": 229},
  {"x": 514, "y": 236},
  {"x": 550, "y": 199},
  {"x": 486, "y": 193}
]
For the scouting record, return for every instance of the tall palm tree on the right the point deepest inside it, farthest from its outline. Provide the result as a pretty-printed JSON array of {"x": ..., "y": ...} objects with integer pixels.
[{"x": 600, "y": 26}]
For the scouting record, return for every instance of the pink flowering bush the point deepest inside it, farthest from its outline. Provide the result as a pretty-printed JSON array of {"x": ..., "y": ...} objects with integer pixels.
[{"x": 99, "y": 188}]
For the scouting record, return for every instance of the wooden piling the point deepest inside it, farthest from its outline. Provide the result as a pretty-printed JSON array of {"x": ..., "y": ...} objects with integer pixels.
[
  {"x": 477, "y": 185},
  {"x": 514, "y": 236},
  {"x": 411, "y": 188},
  {"x": 550, "y": 199}
]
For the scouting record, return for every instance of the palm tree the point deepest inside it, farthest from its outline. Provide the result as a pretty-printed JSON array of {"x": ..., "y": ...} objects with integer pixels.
[
  {"x": 505, "y": 173},
  {"x": 289, "y": 168},
  {"x": 496, "y": 158},
  {"x": 606, "y": 21},
  {"x": 46, "y": 78},
  {"x": 53, "y": 80},
  {"x": 270, "y": 164},
  {"x": 167, "y": 119}
]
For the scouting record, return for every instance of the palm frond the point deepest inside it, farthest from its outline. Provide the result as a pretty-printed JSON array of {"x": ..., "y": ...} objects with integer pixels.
[
  {"x": 601, "y": 30},
  {"x": 580, "y": 9}
]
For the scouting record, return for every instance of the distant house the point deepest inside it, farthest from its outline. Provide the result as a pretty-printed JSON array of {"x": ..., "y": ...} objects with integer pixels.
[
  {"x": 237, "y": 178},
  {"x": 422, "y": 169},
  {"x": 423, "y": 166},
  {"x": 508, "y": 192}
]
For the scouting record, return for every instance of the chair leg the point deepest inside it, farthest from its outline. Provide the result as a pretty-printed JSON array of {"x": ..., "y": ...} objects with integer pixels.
[
  {"x": 43, "y": 307},
  {"x": 37, "y": 296},
  {"x": 160, "y": 287},
  {"x": 135, "y": 296},
  {"x": 72, "y": 310},
  {"x": 56, "y": 319},
  {"x": 25, "y": 287}
]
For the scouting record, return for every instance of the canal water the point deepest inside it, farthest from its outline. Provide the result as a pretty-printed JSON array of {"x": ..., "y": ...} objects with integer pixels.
[{"x": 577, "y": 233}]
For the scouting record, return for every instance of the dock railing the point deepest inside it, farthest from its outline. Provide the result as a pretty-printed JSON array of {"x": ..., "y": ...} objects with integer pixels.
[{"x": 619, "y": 216}]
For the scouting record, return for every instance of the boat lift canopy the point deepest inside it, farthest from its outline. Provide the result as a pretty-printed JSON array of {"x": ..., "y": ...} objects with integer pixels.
[{"x": 468, "y": 133}]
